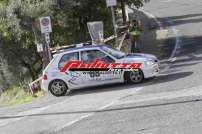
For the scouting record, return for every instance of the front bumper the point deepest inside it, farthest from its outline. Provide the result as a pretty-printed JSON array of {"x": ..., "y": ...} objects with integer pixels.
[{"x": 151, "y": 71}]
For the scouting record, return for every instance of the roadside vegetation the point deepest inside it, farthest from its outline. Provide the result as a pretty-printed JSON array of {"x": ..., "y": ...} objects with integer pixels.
[
  {"x": 20, "y": 32},
  {"x": 17, "y": 95}
]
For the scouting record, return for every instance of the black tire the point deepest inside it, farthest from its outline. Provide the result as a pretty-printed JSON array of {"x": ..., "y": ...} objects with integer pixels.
[
  {"x": 134, "y": 77},
  {"x": 58, "y": 88}
]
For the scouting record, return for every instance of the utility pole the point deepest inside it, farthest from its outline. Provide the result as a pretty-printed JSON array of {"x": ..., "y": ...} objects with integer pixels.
[
  {"x": 111, "y": 4},
  {"x": 47, "y": 38},
  {"x": 114, "y": 23}
]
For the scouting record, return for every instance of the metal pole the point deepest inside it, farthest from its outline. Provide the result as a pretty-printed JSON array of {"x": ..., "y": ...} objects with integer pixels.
[
  {"x": 114, "y": 23},
  {"x": 47, "y": 38},
  {"x": 49, "y": 53}
]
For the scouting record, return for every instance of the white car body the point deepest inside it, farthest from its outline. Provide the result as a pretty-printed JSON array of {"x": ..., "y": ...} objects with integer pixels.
[{"x": 77, "y": 80}]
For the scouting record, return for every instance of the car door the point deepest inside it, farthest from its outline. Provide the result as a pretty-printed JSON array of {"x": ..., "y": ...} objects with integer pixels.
[
  {"x": 98, "y": 77},
  {"x": 74, "y": 78}
]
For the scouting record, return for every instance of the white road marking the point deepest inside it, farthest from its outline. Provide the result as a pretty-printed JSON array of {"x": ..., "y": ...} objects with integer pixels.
[
  {"x": 172, "y": 59},
  {"x": 28, "y": 112},
  {"x": 195, "y": 55},
  {"x": 81, "y": 118},
  {"x": 191, "y": 92},
  {"x": 167, "y": 1},
  {"x": 73, "y": 122},
  {"x": 39, "y": 110},
  {"x": 177, "y": 43},
  {"x": 92, "y": 114}
]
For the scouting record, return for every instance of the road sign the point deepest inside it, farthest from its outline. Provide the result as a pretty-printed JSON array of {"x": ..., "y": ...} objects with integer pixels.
[
  {"x": 45, "y": 25},
  {"x": 39, "y": 48},
  {"x": 111, "y": 3}
]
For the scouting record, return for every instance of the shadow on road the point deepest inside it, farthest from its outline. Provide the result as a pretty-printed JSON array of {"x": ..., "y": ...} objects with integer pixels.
[
  {"x": 188, "y": 45},
  {"x": 184, "y": 65},
  {"x": 117, "y": 87},
  {"x": 171, "y": 77},
  {"x": 183, "y": 19}
]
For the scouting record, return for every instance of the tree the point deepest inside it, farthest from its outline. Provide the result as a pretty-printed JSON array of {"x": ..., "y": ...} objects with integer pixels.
[
  {"x": 17, "y": 38},
  {"x": 73, "y": 17},
  {"x": 136, "y": 3}
]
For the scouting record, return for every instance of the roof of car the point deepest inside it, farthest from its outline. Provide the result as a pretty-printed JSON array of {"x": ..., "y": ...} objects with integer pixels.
[{"x": 79, "y": 48}]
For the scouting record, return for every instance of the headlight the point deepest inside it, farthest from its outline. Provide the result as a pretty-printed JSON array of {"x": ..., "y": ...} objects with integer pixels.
[{"x": 149, "y": 63}]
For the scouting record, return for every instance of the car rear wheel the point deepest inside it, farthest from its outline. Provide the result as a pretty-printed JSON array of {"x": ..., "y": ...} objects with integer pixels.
[
  {"x": 58, "y": 88},
  {"x": 134, "y": 77}
]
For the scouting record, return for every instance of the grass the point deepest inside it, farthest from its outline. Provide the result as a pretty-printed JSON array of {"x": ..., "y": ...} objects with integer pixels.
[{"x": 17, "y": 95}]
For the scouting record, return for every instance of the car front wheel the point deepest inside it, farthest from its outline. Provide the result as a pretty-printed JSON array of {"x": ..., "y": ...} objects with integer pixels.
[
  {"x": 134, "y": 77},
  {"x": 58, "y": 88}
]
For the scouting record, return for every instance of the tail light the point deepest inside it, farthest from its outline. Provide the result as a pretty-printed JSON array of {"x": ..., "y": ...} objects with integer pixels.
[{"x": 45, "y": 77}]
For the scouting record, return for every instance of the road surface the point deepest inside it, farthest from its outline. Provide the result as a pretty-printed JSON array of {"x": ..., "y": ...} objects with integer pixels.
[{"x": 168, "y": 104}]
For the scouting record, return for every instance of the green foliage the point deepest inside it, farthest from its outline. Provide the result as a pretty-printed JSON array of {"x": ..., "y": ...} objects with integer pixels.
[
  {"x": 17, "y": 38},
  {"x": 19, "y": 32},
  {"x": 71, "y": 19},
  {"x": 17, "y": 95}
]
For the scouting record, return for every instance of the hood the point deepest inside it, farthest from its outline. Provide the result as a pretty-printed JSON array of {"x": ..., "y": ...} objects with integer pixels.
[
  {"x": 142, "y": 55},
  {"x": 138, "y": 57}
]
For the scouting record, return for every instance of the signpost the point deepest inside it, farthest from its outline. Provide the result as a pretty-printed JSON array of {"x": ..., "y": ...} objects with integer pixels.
[
  {"x": 46, "y": 29},
  {"x": 111, "y": 4}
]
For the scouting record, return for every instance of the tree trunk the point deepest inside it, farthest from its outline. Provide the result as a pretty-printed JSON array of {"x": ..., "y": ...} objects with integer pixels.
[
  {"x": 123, "y": 11},
  {"x": 5, "y": 83},
  {"x": 30, "y": 69}
]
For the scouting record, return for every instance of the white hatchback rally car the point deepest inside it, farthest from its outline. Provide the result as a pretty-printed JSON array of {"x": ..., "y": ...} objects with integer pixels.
[{"x": 60, "y": 83}]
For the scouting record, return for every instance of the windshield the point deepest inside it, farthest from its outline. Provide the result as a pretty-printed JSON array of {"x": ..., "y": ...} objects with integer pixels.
[{"x": 117, "y": 54}]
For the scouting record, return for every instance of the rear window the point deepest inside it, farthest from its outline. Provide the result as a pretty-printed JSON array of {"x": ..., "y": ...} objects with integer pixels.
[{"x": 68, "y": 57}]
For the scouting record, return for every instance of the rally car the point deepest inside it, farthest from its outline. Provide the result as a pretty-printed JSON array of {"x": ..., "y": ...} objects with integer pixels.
[{"x": 60, "y": 83}]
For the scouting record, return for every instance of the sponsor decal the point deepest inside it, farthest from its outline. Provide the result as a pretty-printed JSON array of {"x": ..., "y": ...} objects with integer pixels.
[
  {"x": 99, "y": 65},
  {"x": 73, "y": 77}
]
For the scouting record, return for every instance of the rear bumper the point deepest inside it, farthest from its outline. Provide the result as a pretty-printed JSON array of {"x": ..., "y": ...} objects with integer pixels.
[{"x": 44, "y": 85}]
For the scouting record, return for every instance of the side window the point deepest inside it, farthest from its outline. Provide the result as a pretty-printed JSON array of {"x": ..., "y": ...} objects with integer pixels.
[
  {"x": 67, "y": 57},
  {"x": 92, "y": 55},
  {"x": 108, "y": 59}
]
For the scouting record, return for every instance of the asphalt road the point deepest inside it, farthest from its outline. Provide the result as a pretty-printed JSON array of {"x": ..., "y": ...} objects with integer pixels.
[{"x": 168, "y": 104}]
